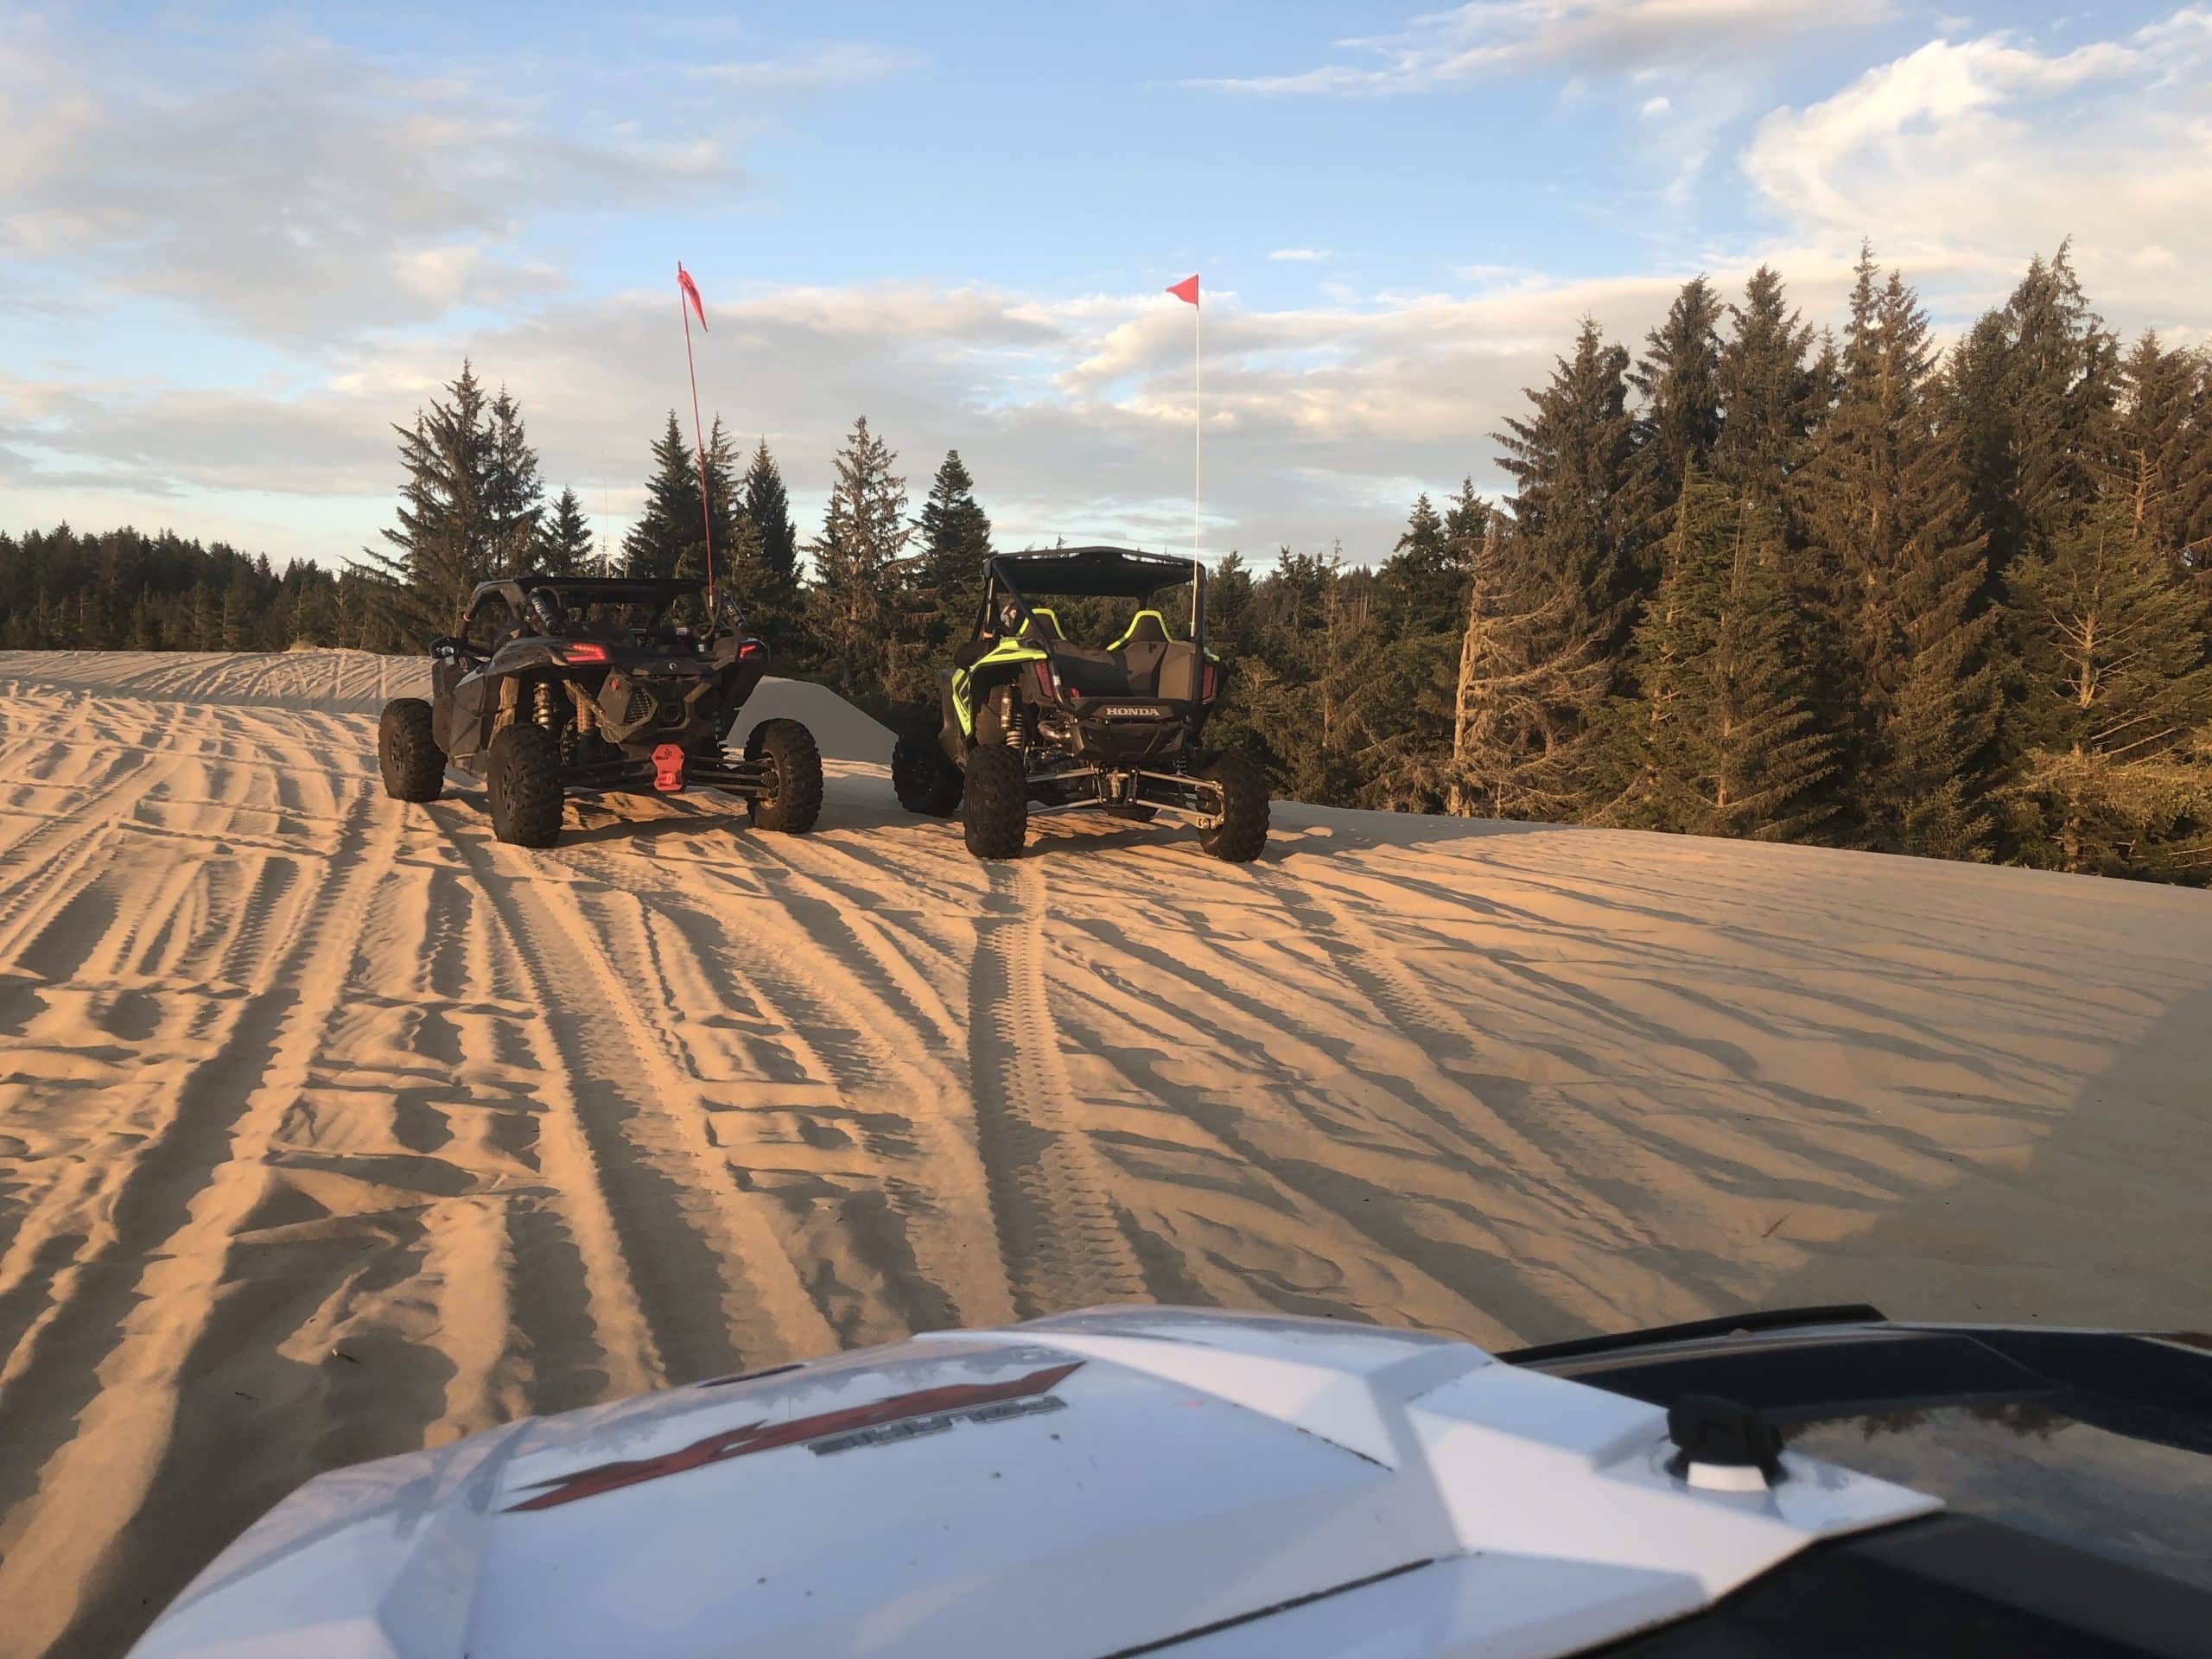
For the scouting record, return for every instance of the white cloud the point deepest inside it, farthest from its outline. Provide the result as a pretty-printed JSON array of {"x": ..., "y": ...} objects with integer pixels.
[
  {"x": 1968, "y": 157},
  {"x": 1493, "y": 37},
  {"x": 843, "y": 64},
  {"x": 1655, "y": 106},
  {"x": 299, "y": 192},
  {"x": 1301, "y": 255}
]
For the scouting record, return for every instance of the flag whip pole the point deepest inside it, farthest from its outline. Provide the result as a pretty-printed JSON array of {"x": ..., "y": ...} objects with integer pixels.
[
  {"x": 1187, "y": 291},
  {"x": 687, "y": 295},
  {"x": 1197, "y": 429}
]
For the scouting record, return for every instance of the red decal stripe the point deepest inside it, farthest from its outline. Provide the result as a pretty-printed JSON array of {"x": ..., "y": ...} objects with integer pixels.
[{"x": 743, "y": 1441}]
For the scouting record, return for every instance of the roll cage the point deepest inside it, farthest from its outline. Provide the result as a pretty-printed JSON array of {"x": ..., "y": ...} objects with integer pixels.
[
  {"x": 1081, "y": 572},
  {"x": 579, "y": 595}
]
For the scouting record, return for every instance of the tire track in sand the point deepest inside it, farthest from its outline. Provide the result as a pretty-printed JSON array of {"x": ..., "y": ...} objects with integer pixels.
[
  {"x": 1404, "y": 1003},
  {"x": 45, "y": 880},
  {"x": 1064, "y": 1244},
  {"x": 848, "y": 1013},
  {"x": 92, "y": 1395},
  {"x": 684, "y": 1226},
  {"x": 1551, "y": 1185},
  {"x": 41, "y": 1262}
]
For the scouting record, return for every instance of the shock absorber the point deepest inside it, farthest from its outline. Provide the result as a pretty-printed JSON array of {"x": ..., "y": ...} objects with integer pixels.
[
  {"x": 586, "y": 721},
  {"x": 545, "y": 709}
]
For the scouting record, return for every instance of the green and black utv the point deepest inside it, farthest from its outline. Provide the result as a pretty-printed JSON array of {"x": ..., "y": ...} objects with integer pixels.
[{"x": 1029, "y": 715}]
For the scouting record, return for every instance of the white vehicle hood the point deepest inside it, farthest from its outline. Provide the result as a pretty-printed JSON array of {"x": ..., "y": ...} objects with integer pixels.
[{"x": 1101, "y": 1483}]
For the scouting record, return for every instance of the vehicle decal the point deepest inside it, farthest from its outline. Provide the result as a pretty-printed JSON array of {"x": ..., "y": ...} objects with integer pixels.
[
  {"x": 912, "y": 1428},
  {"x": 1007, "y": 651},
  {"x": 950, "y": 1400}
]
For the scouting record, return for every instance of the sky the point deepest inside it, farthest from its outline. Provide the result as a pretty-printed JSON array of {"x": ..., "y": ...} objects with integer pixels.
[{"x": 238, "y": 243}]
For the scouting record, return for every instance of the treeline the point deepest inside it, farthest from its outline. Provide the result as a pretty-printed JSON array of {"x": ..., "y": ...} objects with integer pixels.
[
  {"x": 1840, "y": 589},
  {"x": 1754, "y": 579},
  {"x": 125, "y": 590}
]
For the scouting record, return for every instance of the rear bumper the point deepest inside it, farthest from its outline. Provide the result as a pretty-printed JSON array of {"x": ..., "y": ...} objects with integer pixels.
[
  {"x": 630, "y": 775},
  {"x": 1110, "y": 741}
]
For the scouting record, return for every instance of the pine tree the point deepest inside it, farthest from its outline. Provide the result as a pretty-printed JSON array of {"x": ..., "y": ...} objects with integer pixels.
[
  {"x": 2033, "y": 390},
  {"x": 1679, "y": 376},
  {"x": 769, "y": 576},
  {"x": 2115, "y": 772},
  {"x": 1420, "y": 604},
  {"x": 854, "y": 602},
  {"x": 1584, "y": 523},
  {"x": 1421, "y": 589},
  {"x": 565, "y": 548},
  {"x": 668, "y": 526},
  {"x": 769, "y": 508},
  {"x": 956, "y": 541},
  {"x": 2165, "y": 461},
  {"x": 1313, "y": 696},
  {"x": 1466, "y": 519},
  {"x": 1583, "y": 508},
  {"x": 1899, "y": 553},
  {"x": 1232, "y": 625},
  {"x": 513, "y": 498},
  {"x": 1770, "y": 398},
  {"x": 1530, "y": 686},
  {"x": 1727, "y": 740},
  {"x": 470, "y": 489}
]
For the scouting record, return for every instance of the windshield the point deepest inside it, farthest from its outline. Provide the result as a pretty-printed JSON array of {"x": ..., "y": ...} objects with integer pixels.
[{"x": 2031, "y": 1467}]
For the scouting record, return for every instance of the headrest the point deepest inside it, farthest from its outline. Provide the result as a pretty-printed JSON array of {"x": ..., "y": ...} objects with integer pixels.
[
  {"x": 1146, "y": 628},
  {"x": 1047, "y": 618}
]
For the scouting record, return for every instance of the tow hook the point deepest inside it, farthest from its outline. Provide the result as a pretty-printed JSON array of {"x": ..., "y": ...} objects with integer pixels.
[{"x": 667, "y": 768}]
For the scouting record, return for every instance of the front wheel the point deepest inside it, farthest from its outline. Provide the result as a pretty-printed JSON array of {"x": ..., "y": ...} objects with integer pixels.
[
  {"x": 407, "y": 752},
  {"x": 925, "y": 780},
  {"x": 1242, "y": 831},
  {"x": 524, "y": 782},
  {"x": 995, "y": 806},
  {"x": 793, "y": 800}
]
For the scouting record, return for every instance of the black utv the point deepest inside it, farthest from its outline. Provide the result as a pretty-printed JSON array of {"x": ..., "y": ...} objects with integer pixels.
[
  {"x": 1028, "y": 715},
  {"x": 554, "y": 685}
]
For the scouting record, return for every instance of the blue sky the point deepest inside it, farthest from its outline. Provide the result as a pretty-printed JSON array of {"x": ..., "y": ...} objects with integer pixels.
[{"x": 236, "y": 242}]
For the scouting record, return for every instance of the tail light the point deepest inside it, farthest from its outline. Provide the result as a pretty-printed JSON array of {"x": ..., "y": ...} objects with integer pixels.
[
  {"x": 750, "y": 648},
  {"x": 1208, "y": 683},
  {"x": 1043, "y": 680},
  {"x": 583, "y": 653}
]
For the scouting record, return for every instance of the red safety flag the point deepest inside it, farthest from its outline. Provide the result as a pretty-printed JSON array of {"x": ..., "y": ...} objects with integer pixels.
[
  {"x": 691, "y": 291},
  {"x": 1186, "y": 290}
]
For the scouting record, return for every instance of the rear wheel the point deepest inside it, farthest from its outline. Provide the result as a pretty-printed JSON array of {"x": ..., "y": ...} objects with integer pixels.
[
  {"x": 1242, "y": 830},
  {"x": 793, "y": 800},
  {"x": 994, "y": 805},
  {"x": 407, "y": 753},
  {"x": 925, "y": 781},
  {"x": 524, "y": 782}
]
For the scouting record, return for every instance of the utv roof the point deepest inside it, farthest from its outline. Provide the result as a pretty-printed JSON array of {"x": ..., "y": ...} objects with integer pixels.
[{"x": 1092, "y": 572}]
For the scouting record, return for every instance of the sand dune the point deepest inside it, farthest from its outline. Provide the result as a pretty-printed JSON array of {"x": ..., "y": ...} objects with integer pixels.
[{"x": 330, "y": 1128}]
